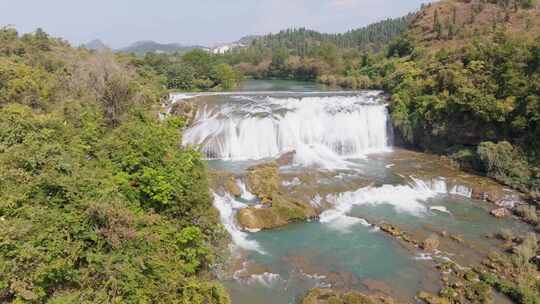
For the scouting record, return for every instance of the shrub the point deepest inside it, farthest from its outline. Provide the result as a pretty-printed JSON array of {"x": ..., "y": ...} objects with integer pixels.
[{"x": 505, "y": 163}]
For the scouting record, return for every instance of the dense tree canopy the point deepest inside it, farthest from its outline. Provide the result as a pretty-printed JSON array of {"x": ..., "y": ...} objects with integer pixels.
[{"x": 98, "y": 203}]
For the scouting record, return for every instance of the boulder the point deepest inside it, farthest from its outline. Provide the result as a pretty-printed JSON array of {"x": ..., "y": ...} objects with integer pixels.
[
  {"x": 279, "y": 213},
  {"x": 278, "y": 208},
  {"x": 391, "y": 229},
  {"x": 331, "y": 296},
  {"x": 260, "y": 218},
  {"x": 500, "y": 212}
]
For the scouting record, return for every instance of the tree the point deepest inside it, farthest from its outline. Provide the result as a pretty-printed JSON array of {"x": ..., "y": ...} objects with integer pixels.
[
  {"x": 108, "y": 81},
  {"x": 225, "y": 76}
]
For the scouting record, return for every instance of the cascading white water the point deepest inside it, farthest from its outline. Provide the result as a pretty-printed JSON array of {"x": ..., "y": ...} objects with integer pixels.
[
  {"x": 441, "y": 186},
  {"x": 228, "y": 207},
  {"x": 322, "y": 130},
  {"x": 404, "y": 198}
]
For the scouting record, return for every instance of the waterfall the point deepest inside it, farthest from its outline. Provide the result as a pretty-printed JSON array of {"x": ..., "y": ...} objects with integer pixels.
[
  {"x": 228, "y": 207},
  {"x": 320, "y": 129},
  {"x": 441, "y": 186}
]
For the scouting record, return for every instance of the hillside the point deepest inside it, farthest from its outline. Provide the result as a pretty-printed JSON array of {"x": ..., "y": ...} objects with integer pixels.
[
  {"x": 140, "y": 48},
  {"x": 453, "y": 22},
  {"x": 465, "y": 82},
  {"x": 302, "y": 41}
]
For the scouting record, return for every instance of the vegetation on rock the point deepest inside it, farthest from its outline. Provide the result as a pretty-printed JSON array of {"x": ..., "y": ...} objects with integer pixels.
[{"x": 278, "y": 209}]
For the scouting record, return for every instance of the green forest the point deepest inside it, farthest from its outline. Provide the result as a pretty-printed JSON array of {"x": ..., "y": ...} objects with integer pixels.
[{"x": 99, "y": 204}]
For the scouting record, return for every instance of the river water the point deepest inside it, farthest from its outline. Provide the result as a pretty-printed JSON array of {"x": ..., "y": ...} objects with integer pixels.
[{"x": 345, "y": 160}]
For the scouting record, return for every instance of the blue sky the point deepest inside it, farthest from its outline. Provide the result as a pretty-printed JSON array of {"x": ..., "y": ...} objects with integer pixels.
[{"x": 206, "y": 22}]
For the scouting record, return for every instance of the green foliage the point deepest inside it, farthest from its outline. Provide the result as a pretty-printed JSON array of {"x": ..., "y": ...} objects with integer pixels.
[
  {"x": 524, "y": 286},
  {"x": 192, "y": 71},
  {"x": 504, "y": 162},
  {"x": 98, "y": 202},
  {"x": 225, "y": 75},
  {"x": 304, "y": 54},
  {"x": 469, "y": 97}
]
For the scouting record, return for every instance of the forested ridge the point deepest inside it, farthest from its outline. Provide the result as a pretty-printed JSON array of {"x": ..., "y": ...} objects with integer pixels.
[{"x": 98, "y": 202}]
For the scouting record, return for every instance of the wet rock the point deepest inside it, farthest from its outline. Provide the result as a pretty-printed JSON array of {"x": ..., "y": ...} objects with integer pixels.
[
  {"x": 223, "y": 182},
  {"x": 431, "y": 298},
  {"x": 391, "y": 229},
  {"x": 500, "y": 212},
  {"x": 286, "y": 159},
  {"x": 278, "y": 208},
  {"x": 480, "y": 195},
  {"x": 342, "y": 279},
  {"x": 330, "y": 296},
  {"x": 509, "y": 201},
  {"x": 431, "y": 243},
  {"x": 257, "y": 219},
  {"x": 375, "y": 285},
  {"x": 457, "y": 238}
]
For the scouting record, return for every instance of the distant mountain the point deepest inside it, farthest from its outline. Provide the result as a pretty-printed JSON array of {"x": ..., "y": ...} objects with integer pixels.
[
  {"x": 247, "y": 40},
  {"x": 142, "y": 47},
  {"x": 96, "y": 44}
]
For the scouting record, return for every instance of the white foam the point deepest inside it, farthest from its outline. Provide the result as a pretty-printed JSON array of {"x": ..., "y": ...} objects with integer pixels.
[
  {"x": 292, "y": 183},
  {"x": 404, "y": 198},
  {"x": 316, "y": 201},
  {"x": 423, "y": 257},
  {"x": 228, "y": 207},
  {"x": 440, "y": 185},
  {"x": 461, "y": 191},
  {"x": 245, "y": 194},
  {"x": 323, "y": 131},
  {"x": 440, "y": 209},
  {"x": 266, "y": 279}
]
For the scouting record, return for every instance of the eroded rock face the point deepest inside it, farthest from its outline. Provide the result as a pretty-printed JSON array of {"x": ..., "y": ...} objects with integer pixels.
[{"x": 330, "y": 296}]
